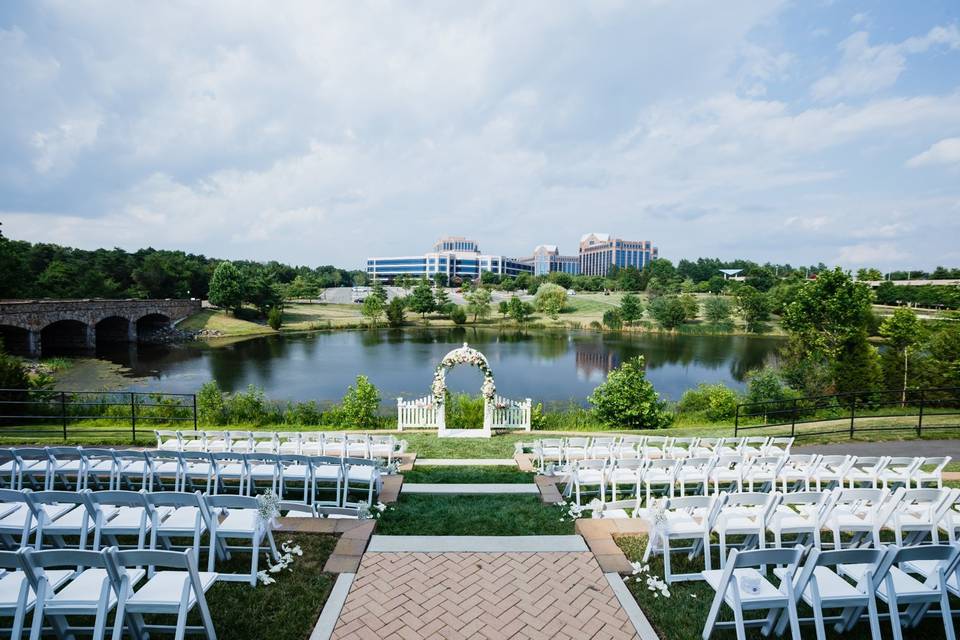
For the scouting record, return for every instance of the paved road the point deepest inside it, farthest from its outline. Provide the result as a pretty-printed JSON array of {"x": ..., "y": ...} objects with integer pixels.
[{"x": 920, "y": 448}]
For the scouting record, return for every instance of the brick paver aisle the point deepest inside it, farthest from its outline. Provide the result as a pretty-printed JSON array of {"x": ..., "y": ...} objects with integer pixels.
[{"x": 481, "y": 595}]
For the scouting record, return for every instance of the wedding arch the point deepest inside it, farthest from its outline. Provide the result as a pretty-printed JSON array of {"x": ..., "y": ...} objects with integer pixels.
[{"x": 430, "y": 411}]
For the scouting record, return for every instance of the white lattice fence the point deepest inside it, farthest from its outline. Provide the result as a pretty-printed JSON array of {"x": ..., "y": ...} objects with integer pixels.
[
  {"x": 510, "y": 414},
  {"x": 419, "y": 413}
]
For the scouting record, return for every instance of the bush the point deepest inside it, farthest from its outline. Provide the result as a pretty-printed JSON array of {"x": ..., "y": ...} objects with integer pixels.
[
  {"x": 249, "y": 407},
  {"x": 303, "y": 413},
  {"x": 550, "y": 299},
  {"x": 766, "y": 385},
  {"x": 628, "y": 399},
  {"x": 464, "y": 411},
  {"x": 715, "y": 402},
  {"x": 360, "y": 406},
  {"x": 210, "y": 408},
  {"x": 275, "y": 318},
  {"x": 669, "y": 311},
  {"x": 612, "y": 319},
  {"x": 396, "y": 309},
  {"x": 458, "y": 315}
]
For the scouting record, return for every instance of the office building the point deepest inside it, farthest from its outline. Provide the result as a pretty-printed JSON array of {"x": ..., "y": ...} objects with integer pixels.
[
  {"x": 547, "y": 259},
  {"x": 600, "y": 251},
  {"x": 455, "y": 257}
]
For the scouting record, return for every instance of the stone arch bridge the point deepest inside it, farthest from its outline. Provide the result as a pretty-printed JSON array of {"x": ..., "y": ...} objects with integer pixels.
[{"x": 32, "y": 327}]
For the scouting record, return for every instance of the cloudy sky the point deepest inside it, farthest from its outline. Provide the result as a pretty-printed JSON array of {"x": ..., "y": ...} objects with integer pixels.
[{"x": 323, "y": 132}]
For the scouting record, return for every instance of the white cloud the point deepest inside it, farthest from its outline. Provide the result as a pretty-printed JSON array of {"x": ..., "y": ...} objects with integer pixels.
[
  {"x": 866, "y": 68},
  {"x": 946, "y": 151},
  {"x": 870, "y": 253},
  {"x": 814, "y": 223}
]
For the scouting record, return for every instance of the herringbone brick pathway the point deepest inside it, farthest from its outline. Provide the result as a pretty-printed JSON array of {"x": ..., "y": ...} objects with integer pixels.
[{"x": 490, "y": 596}]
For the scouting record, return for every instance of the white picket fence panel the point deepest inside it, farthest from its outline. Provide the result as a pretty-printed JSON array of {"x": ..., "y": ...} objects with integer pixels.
[
  {"x": 419, "y": 413},
  {"x": 510, "y": 414}
]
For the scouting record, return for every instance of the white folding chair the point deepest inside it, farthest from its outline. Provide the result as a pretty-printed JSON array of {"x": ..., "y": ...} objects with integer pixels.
[
  {"x": 288, "y": 442},
  {"x": 240, "y": 441},
  {"x": 265, "y": 442},
  {"x": 126, "y": 514},
  {"x": 334, "y": 444},
  {"x": 217, "y": 441},
  {"x": 778, "y": 447},
  {"x": 66, "y": 466},
  {"x": 100, "y": 468},
  {"x": 742, "y": 588},
  {"x": 589, "y": 473},
  {"x": 17, "y": 598},
  {"x": 602, "y": 447},
  {"x": 133, "y": 468},
  {"x": 548, "y": 450},
  {"x": 168, "y": 440},
  {"x": 345, "y": 513},
  {"x": 856, "y": 511},
  {"x": 731, "y": 447},
  {"x": 900, "y": 588},
  {"x": 229, "y": 470},
  {"x": 727, "y": 472},
  {"x": 796, "y": 471},
  {"x": 899, "y": 472},
  {"x": 917, "y": 514},
  {"x": 197, "y": 467},
  {"x": 575, "y": 449},
  {"x": 89, "y": 592},
  {"x": 743, "y": 514},
  {"x": 357, "y": 445},
  {"x": 383, "y": 448},
  {"x": 167, "y": 468},
  {"x": 364, "y": 476},
  {"x": 680, "y": 448},
  {"x": 691, "y": 471},
  {"x": 62, "y": 514},
  {"x": 801, "y": 514},
  {"x": 327, "y": 479},
  {"x": 658, "y": 476},
  {"x": 179, "y": 515},
  {"x": 311, "y": 444},
  {"x": 866, "y": 470},
  {"x": 242, "y": 522},
  {"x": 950, "y": 520},
  {"x": 263, "y": 468},
  {"x": 831, "y": 471},
  {"x": 625, "y": 472},
  {"x": 291, "y": 509},
  {"x": 930, "y": 470},
  {"x": 33, "y": 467},
  {"x": 689, "y": 518},
  {"x": 820, "y": 587},
  {"x": 175, "y": 590},
  {"x": 629, "y": 447},
  {"x": 619, "y": 509},
  {"x": 756, "y": 446},
  {"x": 193, "y": 440},
  {"x": 20, "y": 517},
  {"x": 653, "y": 447},
  {"x": 761, "y": 472},
  {"x": 706, "y": 447}
]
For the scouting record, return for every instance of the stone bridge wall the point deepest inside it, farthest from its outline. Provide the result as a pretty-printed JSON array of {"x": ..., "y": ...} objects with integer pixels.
[{"x": 35, "y": 315}]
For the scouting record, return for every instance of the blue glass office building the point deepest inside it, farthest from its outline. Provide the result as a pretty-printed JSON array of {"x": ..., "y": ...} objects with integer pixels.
[{"x": 454, "y": 257}]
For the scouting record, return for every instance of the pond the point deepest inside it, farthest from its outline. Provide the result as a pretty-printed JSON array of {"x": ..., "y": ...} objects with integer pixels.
[{"x": 545, "y": 366}]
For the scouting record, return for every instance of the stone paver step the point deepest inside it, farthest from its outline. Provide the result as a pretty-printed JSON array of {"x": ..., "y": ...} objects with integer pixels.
[{"x": 469, "y": 489}]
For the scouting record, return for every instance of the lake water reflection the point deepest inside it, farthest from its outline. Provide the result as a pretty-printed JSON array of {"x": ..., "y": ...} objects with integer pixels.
[{"x": 544, "y": 366}]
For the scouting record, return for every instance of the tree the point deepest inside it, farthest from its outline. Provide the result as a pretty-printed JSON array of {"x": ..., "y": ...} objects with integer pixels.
[
  {"x": 519, "y": 310},
  {"x": 458, "y": 315},
  {"x": 379, "y": 291},
  {"x": 630, "y": 279},
  {"x": 372, "y": 309},
  {"x": 560, "y": 278},
  {"x": 489, "y": 278},
  {"x": 856, "y": 367},
  {"x": 631, "y": 308},
  {"x": 754, "y": 306},
  {"x": 613, "y": 319},
  {"x": 628, "y": 399},
  {"x": 360, "y": 406},
  {"x": 716, "y": 309},
  {"x": 396, "y": 309},
  {"x": 669, "y": 311},
  {"x": 260, "y": 291},
  {"x": 550, "y": 299},
  {"x": 869, "y": 274},
  {"x": 442, "y": 301},
  {"x": 478, "y": 302},
  {"x": 275, "y": 318},
  {"x": 421, "y": 299},
  {"x": 226, "y": 287},
  {"x": 504, "y": 309},
  {"x": 903, "y": 334},
  {"x": 359, "y": 279},
  {"x": 440, "y": 279},
  {"x": 691, "y": 308}
]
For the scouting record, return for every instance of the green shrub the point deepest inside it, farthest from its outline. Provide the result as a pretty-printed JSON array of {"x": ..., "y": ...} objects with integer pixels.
[
  {"x": 396, "y": 310},
  {"x": 538, "y": 421},
  {"x": 715, "y": 402},
  {"x": 458, "y": 315},
  {"x": 275, "y": 318},
  {"x": 303, "y": 413},
  {"x": 612, "y": 319},
  {"x": 360, "y": 406},
  {"x": 766, "y": 385},
  {"x": 210, "y": 408},
  {"x": 628, "y": 399},
  {"x": 464, "y": 411}
]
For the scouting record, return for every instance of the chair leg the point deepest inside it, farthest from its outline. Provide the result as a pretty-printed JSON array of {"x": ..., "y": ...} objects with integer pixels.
[{"x": 894, "y": 611}]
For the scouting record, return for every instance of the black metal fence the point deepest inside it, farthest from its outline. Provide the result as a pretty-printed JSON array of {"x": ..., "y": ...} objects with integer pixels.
[
  {"x": 917, "y": 410},
  {"x": 39, "y": 413}
]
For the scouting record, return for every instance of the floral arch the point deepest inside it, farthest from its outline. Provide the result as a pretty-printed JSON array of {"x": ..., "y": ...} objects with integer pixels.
[
  {"x": 430, "y": 411},
  {"x": 468, "y": 356}
]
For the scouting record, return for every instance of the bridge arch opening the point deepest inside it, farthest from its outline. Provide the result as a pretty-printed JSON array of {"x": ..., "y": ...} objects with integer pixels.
[
  {"x": 114, "y": 329},
  {"x": 16, "y": 340},
  {"x": 65, "y": 336},
  {"x": 151, "y": 323}
]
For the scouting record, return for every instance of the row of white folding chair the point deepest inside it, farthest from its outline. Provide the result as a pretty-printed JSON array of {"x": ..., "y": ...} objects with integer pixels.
[
  {"x": 911, "y": 515},
  {"x": 873, "y": 471},
  {"x": 55, "y": 584},
  {"x": 315, "y": 443},
  {"x": 45, "y": 518},
  {"x": 850, "y": 580},
  {"x": 563, "y": 451},
  {"x": 79, "y": 468}
]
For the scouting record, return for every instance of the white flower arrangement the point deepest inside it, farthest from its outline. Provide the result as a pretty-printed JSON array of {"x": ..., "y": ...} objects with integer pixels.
[
  {"x": 367, "y": 512},
  {"x": 468, "y": 356},
  {"x": 289, "y": 551},
  {"x": 268, "y": 509}
]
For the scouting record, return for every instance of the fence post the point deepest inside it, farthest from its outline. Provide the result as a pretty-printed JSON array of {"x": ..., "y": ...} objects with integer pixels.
[
  {"x": 63, "y": 412},
  {"x": 194, "y": 412},
  {"x": 736, "y": 422},
  {"x": 853, "y": 413},
  {"x": 793, "y": 420},
  {"x": 920, "y": 416},
  {"x": 133, "y": 416}
]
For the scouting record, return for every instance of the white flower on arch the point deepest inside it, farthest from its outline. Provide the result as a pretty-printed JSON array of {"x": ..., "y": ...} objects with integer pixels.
[{"x": 463, "y": 355}]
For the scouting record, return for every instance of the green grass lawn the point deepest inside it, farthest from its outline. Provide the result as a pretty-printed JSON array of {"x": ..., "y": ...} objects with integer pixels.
[
  {"x": 684, "y": 613},
  {"x": 486, "y": 515},
  {"x": 467, "y": 475},
  {"x": 223, "y": 322},
  {"x": 285, "y": 610}
]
